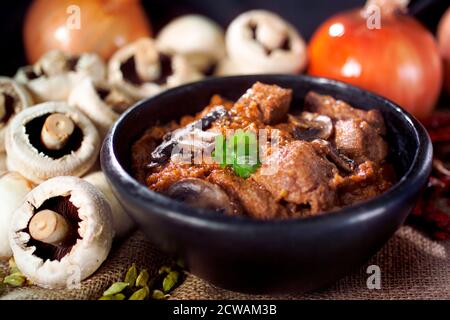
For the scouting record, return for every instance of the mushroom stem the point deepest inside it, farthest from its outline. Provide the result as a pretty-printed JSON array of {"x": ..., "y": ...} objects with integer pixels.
[
  {"x": 2, "y": 106},
  {"x": 56, "y": 131},
  {"x": 49, "y": 227}
]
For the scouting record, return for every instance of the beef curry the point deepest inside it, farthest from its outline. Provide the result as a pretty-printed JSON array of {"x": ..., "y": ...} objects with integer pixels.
[{"x": 327, "y": 156}]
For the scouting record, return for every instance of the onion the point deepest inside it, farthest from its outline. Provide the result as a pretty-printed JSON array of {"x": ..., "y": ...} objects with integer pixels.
[
  {"x": 105, "y": 25},
  {"x": 400, "y": 60},
  {"x": 443, "y": 35}
]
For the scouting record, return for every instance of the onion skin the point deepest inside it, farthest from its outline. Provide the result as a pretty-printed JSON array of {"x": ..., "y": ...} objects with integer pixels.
[
  {"x": 443, "y": 35},
  {"x": 399, "y": 61},
  {"x": 106, "y": 25}
]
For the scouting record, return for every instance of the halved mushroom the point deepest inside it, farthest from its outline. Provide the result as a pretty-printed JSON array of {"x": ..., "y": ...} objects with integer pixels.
[
  {"x": 54, "y": 76},
  {"x": 122, "y": 223},
  {"x": 62, "y": 224},
  {"x": 102, "y": 103},
  {"x": 309, "y": 126},
  {"x": 142, "y": 71},
  {"x": 202, "y": 194},
  {"x": 340, "y": 160},
  {"x": 197, "y": 38},
  {"x": 13, "y": 99},
  {"x": 13, "y": 189},
  {"x": 260, "y": 41},
  {"x": 49, "y": 140}
]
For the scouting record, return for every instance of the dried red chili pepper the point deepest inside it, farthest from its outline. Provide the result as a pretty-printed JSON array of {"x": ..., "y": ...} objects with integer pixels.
[{"x": 433, "y": 208}]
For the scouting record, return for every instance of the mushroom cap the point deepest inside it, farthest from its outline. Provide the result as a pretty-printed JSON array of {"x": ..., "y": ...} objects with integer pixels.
[
  {"x": 54, "y": 80},
  {"x": 85, "y": 97},
  {"x": 22, "y": 100},
  {"x": 36, "y": 166},
  {"x": 271, "y": 31},
  {"x": 95, "y": 230},
  {"x": 148, "y": 68},
  {"x": 122, "y": 223},
  {"x": 13, "y": 189},
  {"x": 196, "y": 37}
]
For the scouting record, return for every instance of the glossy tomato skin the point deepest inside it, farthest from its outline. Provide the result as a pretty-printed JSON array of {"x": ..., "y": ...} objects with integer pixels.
[
  {"x": 399, "y": 61},
  {"x": 105, "y": 25}
]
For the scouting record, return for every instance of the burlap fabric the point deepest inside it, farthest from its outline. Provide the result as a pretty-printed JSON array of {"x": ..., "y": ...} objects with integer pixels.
[{"x": 412, "y": 267}]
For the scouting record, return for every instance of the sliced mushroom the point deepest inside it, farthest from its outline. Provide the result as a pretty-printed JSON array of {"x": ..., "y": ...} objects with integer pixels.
[
  {"x": 49, "y": 140},
  {"x": 164, "y": 151},
  {"x": 197, "y": 38},
  {"x": 102, "y": 103},
  {"x": 142, "y": 71},
  {"x": 309, "y": 126},
  {"x": 54, "y": 76},
  {"x": 13, "y": 99},
  {"x": 260, "y": 41},
  {"x": 62, "y": 224},
  {"x": 202, "y": 194},
  {"x": 122, "y": 223},
  {"x": 340, "y": 160},
  {"x": 13, "y": 188}
]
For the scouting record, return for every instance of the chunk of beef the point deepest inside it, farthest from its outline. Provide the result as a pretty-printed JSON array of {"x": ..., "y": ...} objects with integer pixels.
[
  {"x": 256, "y": 201},
  {"x": 297, "y": 174},
  {"x": 367, "y": 181},
  {"x": 273, "y": 101},
  {"x": 359, "y": 141},
  {"x": 340, "y": 110}
]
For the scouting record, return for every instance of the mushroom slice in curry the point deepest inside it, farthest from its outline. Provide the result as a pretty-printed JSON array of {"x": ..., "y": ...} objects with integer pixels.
[
  {"x": 163, "y": 152},
  {"x": 309, "y": 126},
  {"x": 340, "y": 160},
  {"x": 202, "y": 194}
]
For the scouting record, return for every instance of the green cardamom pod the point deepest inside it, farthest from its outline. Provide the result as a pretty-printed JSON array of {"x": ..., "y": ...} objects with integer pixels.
[
  {"x": 158, "y": 295},
  {"x": 119, "y": 296},
  {"x": 115, "y": 288},
  {"x": 141, "y": 294},
  {"x": 13, "y": 266},
  {"x": 164, "y": 269},
  {"x": 131, "y": 275},
  {"x": 142, "y": 279},
  {"x": 170, "y": 281},
  {"x": 16, "y": 279}
]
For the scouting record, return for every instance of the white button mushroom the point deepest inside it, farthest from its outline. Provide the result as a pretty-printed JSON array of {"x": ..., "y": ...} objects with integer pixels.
[
  {"x": 260, "y": 41},
  {"x": 54, "y": 76},
  {"x": 62, "y": 224},
  {"x": 13, "y": 99},
  {"x": 121, "y": 221},
  {"x": 49, "y": 140},
  {"x": 197, "y": 38},
  {"x": 102, "y": 103},
  {"x": 142, "y": 71},
  {"x": 13, "y": 189}
]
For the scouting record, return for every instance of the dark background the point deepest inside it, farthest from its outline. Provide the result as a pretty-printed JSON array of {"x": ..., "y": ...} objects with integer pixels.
[{"x": 306, "y": 15}]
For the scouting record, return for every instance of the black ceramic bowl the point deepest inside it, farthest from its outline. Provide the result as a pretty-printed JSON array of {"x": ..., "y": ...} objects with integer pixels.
[{"x": 268, "y": 256}]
